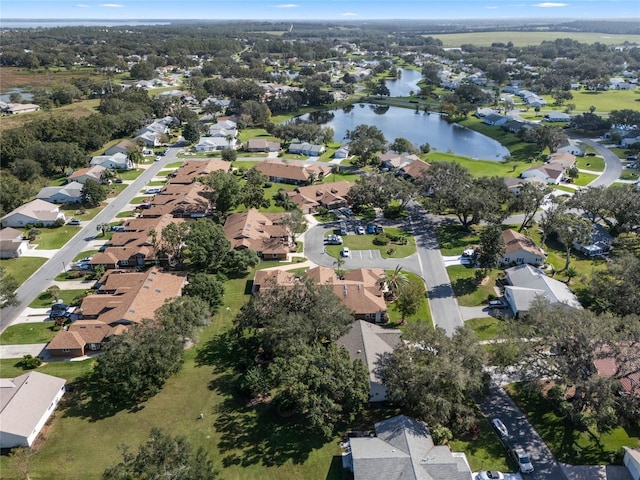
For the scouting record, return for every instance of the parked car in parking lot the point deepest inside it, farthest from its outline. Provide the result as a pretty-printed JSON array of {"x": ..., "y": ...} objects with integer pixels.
[
  {"x": 500, "y": 428},
  {"x": 334, "y": 240},
  {"x": 342, "y": 228},
  {"x": 345, "y": 252},
  {"x": 360, "y": 230}
]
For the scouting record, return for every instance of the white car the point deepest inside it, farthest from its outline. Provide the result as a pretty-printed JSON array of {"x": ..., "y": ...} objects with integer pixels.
[
  {"x": 345, "y": 252},
  {"x": 360, "y": 230},
  {"x": 500, "y": 428},
  {"x": 490, "y": 475},
  {"x": 522, "y": 459}
]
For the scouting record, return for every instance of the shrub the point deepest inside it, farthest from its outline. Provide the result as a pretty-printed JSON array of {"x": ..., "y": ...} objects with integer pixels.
[
  {"x": 381, "y": 240},
  {"x": 59, "y": 222},
  {"x": 441, "y": 435},
  {"x": 267, "y": 185},
  {"x": 29, "y": 362}
]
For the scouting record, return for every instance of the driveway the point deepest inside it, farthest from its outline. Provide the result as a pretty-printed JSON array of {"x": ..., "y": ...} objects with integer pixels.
[
  {"x": 83, "y": 240},
  {"x": 426, "y": 262},
  {"x": 19, "y": 351},
  {"x": 499, "y": 405}
]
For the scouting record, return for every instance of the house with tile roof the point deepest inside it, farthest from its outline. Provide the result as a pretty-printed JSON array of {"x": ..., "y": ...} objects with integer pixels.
[
  {"x": 327, "y": 195},
  {"x": 124, "y": 146},
  {"x": 359, "y": 290},
  {"x": 90, "y": 173},
  {"x": 415, "y": 169},
  {"x": 292, "y": 173},
  {"x": 191, "y": 170},
  {"x": 179, "y": 201},
  {"x": 261, "y": 145},
  {"x": 12, "y": 244},
  {"x": 263, "y": 233},
  {"x": 526, "y": 283},
  {"x": 395, "y": 161},
  {"x": 564, "y": 160},
  {"x": 520, "y": 249},
  {"x": 69, "y": 193},
  {"x": 370, "y": 343},
  {"x": 36, "y": 212},
  {"x": 26, "y": 403},
  {"x": 81, "y": 338},
  {"x": 402, "y": 449},
  {"x": 626, "y": 373}
]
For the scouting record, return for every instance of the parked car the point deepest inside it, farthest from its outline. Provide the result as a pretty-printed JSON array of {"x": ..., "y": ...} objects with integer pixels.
[
  {"x": 334, "y": 240},
  {"x": 371, "y": 228},
  {"x": 343, "y": 228},
  {"x": 345, "y": 252},
  {"x": 379, "y": 229},
  {"x": 59, "y": 313},
  {"x": 497, "y": 304},
  {"x": 73, "y": 221},
  {"x": 500, "y": 428},
  {"x": 59, "y": 307},
  {"x": 590, "y": 154},
  {"x": 158, "y": 158},
  {"x": 360, "y": 230},
  {"x": 118, "y": 180},
  {"x": 522, "y": 459},
  {"x": 490, "y": 475}
]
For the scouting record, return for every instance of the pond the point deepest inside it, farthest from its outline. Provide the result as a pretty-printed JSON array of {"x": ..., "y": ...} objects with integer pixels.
[
  {"x": 5, "y": 97},
  {"x": 417, "y": 127},
  {"x": 407, "y": 83}
]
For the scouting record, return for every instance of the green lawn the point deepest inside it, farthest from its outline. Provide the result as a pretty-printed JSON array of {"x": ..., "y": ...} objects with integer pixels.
[
  {"x": 568, "y": 444},
  {"x": 520, "y": 151},
  {"x": 453, "y": 239},
  {"x": 23, "y": 267},
  {"x": 584, "y": 179},
  {"x": 629, "y": 174},
  {"x": 605, "y": 101},
  {"x": 595, "y": 164},
  {"x": 174, "y": 165},
  {"x": 484, "y": 452},
  {"x": 130, "y": 174},
  {"x": 468, "y": 292},
  {"x": 139, "y": 200},
  {"x": 73, "y": 211},
  {"x": 86, "y": 253},
  {"x": 25, "y": 333},
  {"x": 126, "y": 214},
  {"x": 45, "y": 299},
  {"x": 523, "y": 39},
  {"x": 67, "y": 370},
  {"x": 163, "y": 173},
  {"x": 365, "y": 242},
  {"x": 488, "y": 328},
  {"x": 424, "y": 312},
  {"x": 156, "y": 183},
  {"x": 53, "y": 238}
]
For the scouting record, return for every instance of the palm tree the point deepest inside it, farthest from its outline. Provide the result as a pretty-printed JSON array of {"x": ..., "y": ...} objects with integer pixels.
[
  {"x": 338, "y": 263},
  {"x": 393, "y": 281},
  {"x": 108, "y": 175},
  {"x": 335, "y": 168}
]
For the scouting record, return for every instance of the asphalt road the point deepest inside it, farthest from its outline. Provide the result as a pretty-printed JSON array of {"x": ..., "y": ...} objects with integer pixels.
[
  {"x": 499, "y": 405},
  {"x": 613, "y": 166},
  {"x": 39, "y": 281},
  {"x": 427, "y": 263}
]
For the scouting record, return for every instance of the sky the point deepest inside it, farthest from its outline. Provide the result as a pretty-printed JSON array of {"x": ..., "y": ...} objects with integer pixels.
[{"x": 316, "y": 9}]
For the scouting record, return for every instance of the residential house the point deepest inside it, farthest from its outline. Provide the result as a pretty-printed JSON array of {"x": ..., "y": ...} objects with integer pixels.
[
  {"x": 26, "y": 403},
  {"x": 482, "y": 112},
  {"x": 263, "y": 233},
  {"x": 403, "y": 449},
  {"x": 556, "y": 116},
  {"x": 36, "y": 212},
  {"x": 179, "y": 201},
  {"x": 261, "y": 145},
  {"x": 574, "y": 147},
  {"x": 69, "y": 193},
  {"x": 327, "y": 195},
  {"x": 395, "y": 161},
  {"x": 371, "y": 343},
  {"x": 520, "y": 249},
  {"x": 81, "y": 338},
  {"x": 12, "y": 245},
  {"x": 90, "y": 173},
  {"x": 631, "y": 460},
  {"x": 359, "y": 290},
  {"x": 213, "y": 144},
  {"x": 513, "y": 126},
  {"x": 151, "y": 134},
  {"x": 627, "y": 375},
  {"x": 494, "y": 120},
  {"x": 293, "y": 173},
  {"x": 342, "y": 152},
  {"x": 563, "y": 160},
  {"x": 629, "y": 138},
  {"x": 551, "y": 174},
  {"x": 118, "y": 161},
  {"x": 600, "y": 243},
  {"x": 515, "y": 184},
  {"x": 308, "y": 149},
  {"x": 526, "y": 283},
  {"x": 191, "y": 170},
  {"x": 415, "y": 169},
  {"x": 124, "y": 146}
]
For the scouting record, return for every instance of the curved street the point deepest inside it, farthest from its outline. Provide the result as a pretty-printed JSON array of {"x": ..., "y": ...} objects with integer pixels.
[{"x": 41, "y": 279}]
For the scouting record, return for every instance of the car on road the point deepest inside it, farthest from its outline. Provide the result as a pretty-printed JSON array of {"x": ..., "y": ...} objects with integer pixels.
[
  {"x": 490, "y": 475},
  {"x": 73, "y": 221},
  {"x": 522, "y": 460},
  {"x": 345, "y": 252},
  {"x": 158, "y": 158},
  {"x": 500, "y": 428},
  {"x": 360, "y": 230}
]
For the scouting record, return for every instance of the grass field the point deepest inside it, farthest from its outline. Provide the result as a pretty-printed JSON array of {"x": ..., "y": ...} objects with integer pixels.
[
  {"x": 484, "y": 452},
  {"x": 520, "y": 151},
  {"x": 595, "y": 164},
  {"x": 568, "y": 444},
  {"x": 522, "y": 39},
  {"x": 74, "y": 110},
  {"x": 23, "y": 267},
  {"x": 67, "y": 370},
  {"x": 467, "y": 290},
  {"x": 130, "y": 174},
  {"x": 584, "y": 179},
  {"x": 365, "y": 242},
  {"x": 488, "y": 328},
  {"x": 453, "y": 239},
  {"x": 86, "y": 253},
  {"x": 53, "y": 238},
  {"x": 603, "y": 101},
  {"x": 45, "y": 299},
  {"x": 25, "y": 333}
]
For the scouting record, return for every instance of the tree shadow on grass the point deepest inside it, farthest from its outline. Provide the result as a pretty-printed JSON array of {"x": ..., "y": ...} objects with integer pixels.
[{"x": 464, "y": 286}]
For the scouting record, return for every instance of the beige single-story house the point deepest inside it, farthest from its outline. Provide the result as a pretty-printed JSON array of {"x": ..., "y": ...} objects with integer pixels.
[{"x": 34, "y": 212}]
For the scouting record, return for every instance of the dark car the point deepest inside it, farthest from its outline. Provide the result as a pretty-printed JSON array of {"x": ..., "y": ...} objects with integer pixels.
[{"x": 59, "y": 307}]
